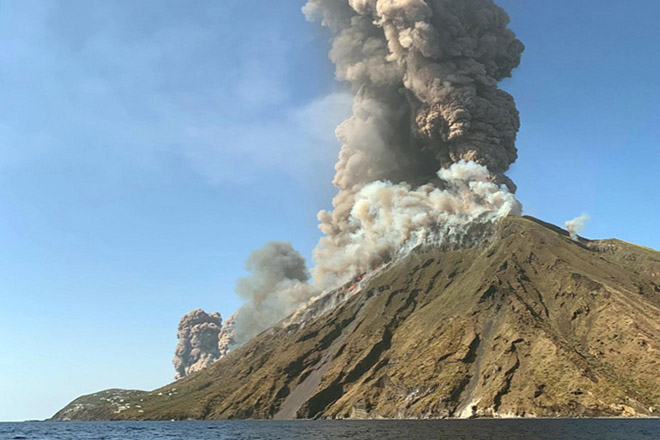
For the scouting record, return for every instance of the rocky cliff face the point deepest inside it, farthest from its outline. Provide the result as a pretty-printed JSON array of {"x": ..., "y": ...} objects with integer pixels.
[{"x": 531, "y": 324}]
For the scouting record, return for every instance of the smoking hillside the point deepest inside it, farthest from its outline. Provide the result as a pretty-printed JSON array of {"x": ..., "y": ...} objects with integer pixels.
[{"x": 530, "y": 323}]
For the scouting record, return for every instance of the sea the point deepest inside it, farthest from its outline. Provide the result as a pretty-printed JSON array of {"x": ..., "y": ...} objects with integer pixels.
[{"x": 601, "y": 429}]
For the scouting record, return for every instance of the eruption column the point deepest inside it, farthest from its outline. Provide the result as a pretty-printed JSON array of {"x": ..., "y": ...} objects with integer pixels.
[
  {"x": 424, "y": 75},
  {"x": 423, "y": 157}
]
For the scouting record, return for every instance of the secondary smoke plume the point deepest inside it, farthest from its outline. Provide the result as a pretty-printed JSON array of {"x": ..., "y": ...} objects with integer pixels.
[
  {"x": 202, "y": 340},
  {"x": 276, "y": 286},
  {"x": 577, "y": 225},
  {"x": 226, "y": 340},
  {"x": 198, "y": 342},
  {"x": 424, "y": 155}
]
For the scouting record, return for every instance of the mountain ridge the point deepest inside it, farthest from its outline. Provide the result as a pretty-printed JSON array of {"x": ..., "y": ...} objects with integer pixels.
[{"x": 528, "y": 324}]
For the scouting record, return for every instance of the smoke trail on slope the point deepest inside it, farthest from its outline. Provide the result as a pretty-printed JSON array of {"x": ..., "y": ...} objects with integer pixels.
[
  {"x": 276, "y": 286},
  {"x": 576, "y": 225}
]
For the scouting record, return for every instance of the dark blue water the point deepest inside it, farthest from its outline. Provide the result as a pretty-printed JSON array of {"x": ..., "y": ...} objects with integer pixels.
[{"x": 321, "y": 430}]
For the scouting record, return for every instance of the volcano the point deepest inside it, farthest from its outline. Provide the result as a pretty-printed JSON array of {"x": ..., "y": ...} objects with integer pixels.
[{"x": 528, "y": 323}]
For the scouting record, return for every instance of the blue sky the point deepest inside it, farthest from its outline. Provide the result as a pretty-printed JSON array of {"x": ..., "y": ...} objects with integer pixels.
[{"x": 146, "y": 148}]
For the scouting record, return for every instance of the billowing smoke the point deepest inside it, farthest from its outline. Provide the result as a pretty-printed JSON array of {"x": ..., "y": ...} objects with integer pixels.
[
  {"x": 577, "y": 225},
  {"x": 389, "y": 220},
  {"x": 226, "y": 340},
  {"x": 423, "y": 156},
  {"x": 424, "y": 75},
  {"x": 276, "y": 286},
  {"x": 198, "y": 342},
  {"x": 202, "y": 340}
]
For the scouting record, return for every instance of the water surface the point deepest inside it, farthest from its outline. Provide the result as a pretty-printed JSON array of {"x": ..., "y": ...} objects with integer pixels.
[{"x": 321, "y": 430}]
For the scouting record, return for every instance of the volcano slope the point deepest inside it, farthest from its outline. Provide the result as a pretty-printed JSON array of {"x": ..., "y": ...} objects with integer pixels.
[{"x": 529, "y": 324}]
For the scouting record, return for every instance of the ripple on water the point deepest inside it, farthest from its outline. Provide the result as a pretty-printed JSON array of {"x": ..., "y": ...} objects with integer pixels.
[{"x": 322, "y": 430}]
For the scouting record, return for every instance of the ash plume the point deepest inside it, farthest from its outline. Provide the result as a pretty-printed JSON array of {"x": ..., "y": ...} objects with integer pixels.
[
  {"x": 198, "y": 342},
  {"x": 576, "y": 226},
  {"x": 276, "y": 286},
  {"x": 424, "y": 75},
  {"x": 423, "y": 157}
]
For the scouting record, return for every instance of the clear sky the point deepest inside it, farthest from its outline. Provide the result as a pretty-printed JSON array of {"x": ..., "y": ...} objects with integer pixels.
[{"x": 147, "y": 147}]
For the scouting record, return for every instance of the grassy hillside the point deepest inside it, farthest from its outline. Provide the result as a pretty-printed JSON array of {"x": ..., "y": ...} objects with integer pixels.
[{"x": 530, "y": 324}]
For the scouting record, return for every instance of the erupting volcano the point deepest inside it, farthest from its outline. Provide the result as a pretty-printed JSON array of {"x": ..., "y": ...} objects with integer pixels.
[
  {"x": 423, "y": 156},
  {"x": 429, "y": 296}
]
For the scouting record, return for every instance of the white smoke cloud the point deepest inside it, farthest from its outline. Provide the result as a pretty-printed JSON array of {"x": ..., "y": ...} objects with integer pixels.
[
  {"x": 389, "y": 220},
  {"x": 576, "y": 226}
]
